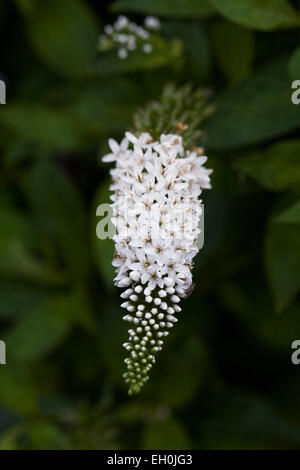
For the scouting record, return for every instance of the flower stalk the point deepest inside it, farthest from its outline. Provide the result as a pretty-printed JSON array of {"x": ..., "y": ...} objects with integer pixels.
[{"x": 157, "y": 183}]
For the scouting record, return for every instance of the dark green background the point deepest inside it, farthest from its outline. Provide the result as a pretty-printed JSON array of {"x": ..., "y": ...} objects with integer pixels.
[{"x": 225, "y": 379}]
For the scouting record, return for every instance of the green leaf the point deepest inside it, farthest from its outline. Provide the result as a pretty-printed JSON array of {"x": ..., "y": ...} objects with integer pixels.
[
  {"x": 163, "y": 53},
  {"x": 115, "y": 333},
  {"x": 18, "y": 240},
  {"x": 294, "y": 64},
  {"x": 164, "y": 435},
  {"x": 60, "y": 214},
  {"x": 255, "y": 110},
  {"x": 50, "y": 127},
  {"x": 276, "y": 169},
  {"x": 9, "y": 438},
  {"x": 47, "y": 436},
  {"x": 238, "y": 43},
  {"x": 196, "y": 45},
  {"x": 103, "y": 250},
  {"x": 170, "y": 8},
  {"x": 19, "y": 263},
  {"x": 177, "y": 362},
  {"x": 282, "y": 258},
  {"x": 262, "y": 15},
  {"x": 244, "y": 421},
  {"x": 15, "y": 228},
  {"x": 64, "y": 35},
  {"x": 17, "y": 299},
  {"x": 17, "y": 391},
  {"x": 45, "y": 328},
  {"x": 39, "y": 332},
  {"x": 291, "y": 215},
  {"x": 106, "y": 106},
  {"x": 252, "y": 306}
]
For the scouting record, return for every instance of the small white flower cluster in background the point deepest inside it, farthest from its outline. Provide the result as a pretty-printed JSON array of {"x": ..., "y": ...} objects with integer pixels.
[
  {"x": 151, "y": 22},
  {"x": 128, "y": 35},
  {"x": 156, "y": 210}
]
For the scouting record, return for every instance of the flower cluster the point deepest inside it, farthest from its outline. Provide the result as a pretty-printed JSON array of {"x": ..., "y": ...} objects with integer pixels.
[
  {"x": 156, "y": 211},
  {"x": 127, "y": 35}
]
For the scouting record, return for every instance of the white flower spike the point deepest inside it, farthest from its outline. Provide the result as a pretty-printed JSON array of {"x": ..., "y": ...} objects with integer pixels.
[{"x": 157, "y": 186}]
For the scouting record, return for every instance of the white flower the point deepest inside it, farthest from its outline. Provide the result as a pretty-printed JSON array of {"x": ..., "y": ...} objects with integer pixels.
[
  {"x": 121, "y": 23},
  {"x": 127, "y": 36},
  {"x": 156, "y": 211},
  {"x": 147, "y": 48},
  {"x": 143, "y": 140},
  {"x": 108, "y": 29},
  {"x": 117, "y": 150},
  {"x": 151, "y": 22},
  {"x": 122, "y": 53}
]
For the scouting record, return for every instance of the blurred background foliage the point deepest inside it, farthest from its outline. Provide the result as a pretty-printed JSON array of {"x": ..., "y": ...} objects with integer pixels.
[{"x": 225, "y": 380}]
